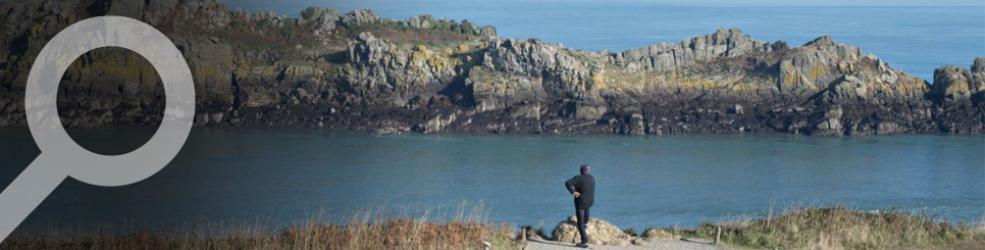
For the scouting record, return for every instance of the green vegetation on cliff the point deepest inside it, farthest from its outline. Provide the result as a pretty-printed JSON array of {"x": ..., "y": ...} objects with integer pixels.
[{"x": 363, "y": 72}]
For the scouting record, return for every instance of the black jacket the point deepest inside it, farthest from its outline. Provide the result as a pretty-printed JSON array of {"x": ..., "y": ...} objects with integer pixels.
[{"x": 584, "y": 184}]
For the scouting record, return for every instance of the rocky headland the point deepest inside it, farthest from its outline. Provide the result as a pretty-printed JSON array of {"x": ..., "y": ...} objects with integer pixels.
[{"x": 362, "y": 72}]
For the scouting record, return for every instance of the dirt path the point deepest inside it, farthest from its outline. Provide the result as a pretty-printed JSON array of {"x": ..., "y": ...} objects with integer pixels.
[{"x": 654, "y": 244}]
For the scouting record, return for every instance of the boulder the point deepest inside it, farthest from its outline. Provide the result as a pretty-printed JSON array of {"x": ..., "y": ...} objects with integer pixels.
[
  {"x": 633, "y": 124},
  {"x": 830, "y": 124},
  {"x": 978, "y": 66},
  {"x": 657, "y": 234},
  {"x": 435, "y": 124},
  {"x": 421, "y": 22},
  {"x": 599, "y": 232},
  {"x": 737, "y": 109},
  {"x": 324, "y": 20},
  {"x": 978, "y": 79},
  {"x": 951, "y": 84},
  {"x": 885, "y": 128},
  {"x": 368, "y": 49},
  {"x": 488, "y": 31},
  {"x": 359, "y": 17}
]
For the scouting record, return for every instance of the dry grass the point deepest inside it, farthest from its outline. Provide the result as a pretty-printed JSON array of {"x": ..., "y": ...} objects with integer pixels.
[
  {"x": 843, "y": 228},
  {"x": 468, "y": 230},
  {"x": 803, "y": 228}
]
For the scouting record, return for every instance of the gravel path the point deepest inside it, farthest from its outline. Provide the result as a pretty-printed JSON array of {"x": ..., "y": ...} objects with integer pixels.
[{"x": 654, "y": 244}]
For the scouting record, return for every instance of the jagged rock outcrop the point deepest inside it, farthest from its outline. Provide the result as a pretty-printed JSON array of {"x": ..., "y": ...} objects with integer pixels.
[
  {"x": 530, "y": 72},
  {"x": 359, "y": 71},
  {"x": 381, "y": 69},
  {"x": 425, "y": 22},
  {"x": 954, "y": 84},
  {"x": 324, "y": 20},
  {"x": 359, "y": 17},
  {"x": 662, "y": 57}
]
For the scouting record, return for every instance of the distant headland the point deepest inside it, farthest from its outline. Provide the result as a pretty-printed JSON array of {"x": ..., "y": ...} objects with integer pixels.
[{"x": 362, "y": 72}]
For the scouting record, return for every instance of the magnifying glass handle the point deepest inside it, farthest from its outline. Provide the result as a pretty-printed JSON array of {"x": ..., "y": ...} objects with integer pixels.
[{"x": 27, "y": 191}]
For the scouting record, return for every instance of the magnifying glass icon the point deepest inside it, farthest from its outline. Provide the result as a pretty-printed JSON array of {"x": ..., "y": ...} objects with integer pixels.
[{"x": 60, "y": 156}]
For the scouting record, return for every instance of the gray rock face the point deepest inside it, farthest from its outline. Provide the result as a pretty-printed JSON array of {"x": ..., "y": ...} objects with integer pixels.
[
  {"x": 494, "y": 90},
  {"x": 369, "y": 50},
  {"x": 324, "y": 20},
  {"x": 427, "y": 22},
  {"x": 978, "y": 79},
  {"x": 886, "y": 128},
  {"x": 661, "y": 57},
  {"x": 535, "y": 70},
  {"x": 381, "y": 70},
  {"x": 953, "y": 84},
  {"x": 533, "y": 57},
  {"x": 979, "y": 65},
  {"x": 830, "y": 124},
  {"x": 808, "y": 73},
  {"x": 362, "y": 72},
  {"x": 359, "y": 17},
  {"x": 421, "y": 22},
  {"x": 436, "y": 124}
]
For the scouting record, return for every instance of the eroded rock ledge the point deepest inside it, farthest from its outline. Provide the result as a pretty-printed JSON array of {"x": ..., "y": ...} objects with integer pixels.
[{"x": 362, "y": 72}]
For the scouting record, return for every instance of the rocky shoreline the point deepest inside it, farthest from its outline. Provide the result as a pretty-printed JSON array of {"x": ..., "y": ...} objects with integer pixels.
[{"x": 362, "y": 72}]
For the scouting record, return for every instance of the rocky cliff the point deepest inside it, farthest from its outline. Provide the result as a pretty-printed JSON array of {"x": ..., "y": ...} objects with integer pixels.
[{"x": 362, "y": 72}]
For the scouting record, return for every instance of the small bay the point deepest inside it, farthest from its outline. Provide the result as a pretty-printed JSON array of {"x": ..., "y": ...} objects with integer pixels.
[{"x": 283, "y": 176}]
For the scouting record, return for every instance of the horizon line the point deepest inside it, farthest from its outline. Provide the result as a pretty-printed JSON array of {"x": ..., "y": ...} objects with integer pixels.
[{"x": 233, "y": 7}]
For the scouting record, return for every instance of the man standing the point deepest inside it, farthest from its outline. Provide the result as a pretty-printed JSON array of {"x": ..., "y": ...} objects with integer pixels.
[{"x": 582, "y": 187}]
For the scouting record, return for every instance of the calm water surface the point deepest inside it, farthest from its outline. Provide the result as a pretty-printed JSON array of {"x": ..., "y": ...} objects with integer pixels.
[{"x": 284, "y": 176}]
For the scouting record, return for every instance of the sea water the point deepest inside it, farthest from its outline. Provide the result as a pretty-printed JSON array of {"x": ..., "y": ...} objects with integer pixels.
[{"x": 285, "y": 176}]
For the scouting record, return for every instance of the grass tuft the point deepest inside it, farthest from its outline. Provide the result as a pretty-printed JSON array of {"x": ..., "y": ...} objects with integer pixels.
[
  {"x": 467, "y": 230},
  {"x": 842, "y": 228}
]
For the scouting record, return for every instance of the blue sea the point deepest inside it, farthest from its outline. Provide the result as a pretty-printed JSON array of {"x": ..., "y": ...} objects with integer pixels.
[
  {"x": 285, "y": 176},
  {"x": 916, "y": 39}
]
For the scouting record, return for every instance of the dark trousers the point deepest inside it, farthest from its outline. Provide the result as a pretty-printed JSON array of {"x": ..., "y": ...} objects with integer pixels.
[{"x": 582, "y": 214}]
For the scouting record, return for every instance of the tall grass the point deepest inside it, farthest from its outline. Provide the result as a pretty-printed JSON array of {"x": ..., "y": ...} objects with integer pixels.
[
  {"x": 842, "y": 228},
  {"x": 469, "y": 229}
]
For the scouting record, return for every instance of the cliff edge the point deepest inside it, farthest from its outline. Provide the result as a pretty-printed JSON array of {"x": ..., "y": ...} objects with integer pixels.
[{"x": 362, "y": 72}]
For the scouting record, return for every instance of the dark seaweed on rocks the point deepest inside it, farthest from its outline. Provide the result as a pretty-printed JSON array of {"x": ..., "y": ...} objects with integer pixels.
[{"x": 362, "y": 72}]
